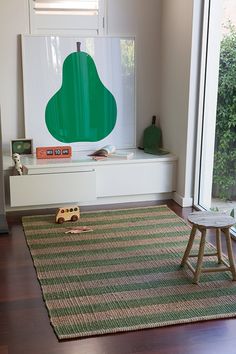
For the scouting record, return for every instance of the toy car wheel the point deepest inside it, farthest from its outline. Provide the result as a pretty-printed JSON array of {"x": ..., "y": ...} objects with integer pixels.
[
  {"x": 60, "y": 220},
  {"x": 74, "y": 218}
]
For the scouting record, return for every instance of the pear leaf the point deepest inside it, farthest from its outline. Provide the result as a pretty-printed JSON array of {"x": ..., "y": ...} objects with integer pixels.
[{"x": 83, "y": 109}]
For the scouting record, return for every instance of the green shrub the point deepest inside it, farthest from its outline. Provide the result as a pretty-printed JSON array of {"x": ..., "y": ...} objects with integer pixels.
[{"x": 224, "y": 174}]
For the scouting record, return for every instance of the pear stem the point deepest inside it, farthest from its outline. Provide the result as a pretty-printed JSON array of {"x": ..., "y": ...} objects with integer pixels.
[{"x": 78, "y": 46}]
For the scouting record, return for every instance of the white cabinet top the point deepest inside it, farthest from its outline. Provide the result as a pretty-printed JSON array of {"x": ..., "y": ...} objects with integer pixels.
[{"x": 80, "y": 159}]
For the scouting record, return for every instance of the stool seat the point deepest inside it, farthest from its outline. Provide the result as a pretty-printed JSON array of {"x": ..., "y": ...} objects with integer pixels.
[
  {"x": 221, "y": 222},
  {"x": 211, "y": 219}
]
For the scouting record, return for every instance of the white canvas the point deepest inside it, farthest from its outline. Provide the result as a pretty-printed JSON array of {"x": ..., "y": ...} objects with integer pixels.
[{"x": 43, "y": 58}]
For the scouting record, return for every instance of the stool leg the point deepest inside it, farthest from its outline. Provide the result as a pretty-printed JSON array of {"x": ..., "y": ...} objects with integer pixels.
[
  {"x": 200, "y": 257},
  {"x": 218, "y": 245},
  {"x": 189, "y": 246},
  {"x": 230, "y": 253}
]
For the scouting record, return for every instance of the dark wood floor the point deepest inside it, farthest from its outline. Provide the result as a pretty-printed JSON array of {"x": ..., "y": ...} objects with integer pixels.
[{"x": 25, "y": 328}]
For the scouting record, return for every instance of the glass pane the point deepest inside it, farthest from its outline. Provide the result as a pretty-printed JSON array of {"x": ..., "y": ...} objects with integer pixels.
[
  {"x": 224, "y": 172},
  {"x": 217, "y": 187},
  {"x": 86, "y": 7}
]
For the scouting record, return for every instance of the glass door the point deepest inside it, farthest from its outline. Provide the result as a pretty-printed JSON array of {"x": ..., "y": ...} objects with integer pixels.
[{"x": 216, "y": 187}]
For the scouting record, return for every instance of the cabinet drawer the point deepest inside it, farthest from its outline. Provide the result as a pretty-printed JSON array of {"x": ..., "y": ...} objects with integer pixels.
[
  {"x": 133, "y": 179},
  {"x": 52, "y": 188}
]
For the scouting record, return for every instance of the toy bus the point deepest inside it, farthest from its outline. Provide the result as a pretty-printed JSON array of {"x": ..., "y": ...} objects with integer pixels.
[{"x": 68, "y": 213}]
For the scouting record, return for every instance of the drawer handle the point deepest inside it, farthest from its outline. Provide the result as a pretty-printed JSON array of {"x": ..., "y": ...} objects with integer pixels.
[{"x": 87, "y": 171}]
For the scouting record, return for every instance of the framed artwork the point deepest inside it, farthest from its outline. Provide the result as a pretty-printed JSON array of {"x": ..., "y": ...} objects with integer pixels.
[
  {"x": 82, "y": 96},
  {"x": 21, "y": 146}
]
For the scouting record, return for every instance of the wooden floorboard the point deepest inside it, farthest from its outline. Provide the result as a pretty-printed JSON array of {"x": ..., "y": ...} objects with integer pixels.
[{"x": 25, "y": 328}]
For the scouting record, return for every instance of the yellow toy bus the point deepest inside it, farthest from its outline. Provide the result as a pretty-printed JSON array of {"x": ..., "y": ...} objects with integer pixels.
[{"x": 68, "y": 213}]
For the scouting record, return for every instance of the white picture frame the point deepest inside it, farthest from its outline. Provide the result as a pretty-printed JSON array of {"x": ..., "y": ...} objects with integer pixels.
[{"x": 43, "y": 58}]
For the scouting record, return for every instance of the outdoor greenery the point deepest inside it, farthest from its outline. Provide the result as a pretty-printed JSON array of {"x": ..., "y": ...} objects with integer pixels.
[{"x": 224, "y": 174}]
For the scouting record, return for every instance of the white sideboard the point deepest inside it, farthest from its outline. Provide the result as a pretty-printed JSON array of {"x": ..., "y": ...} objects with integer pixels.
[{"x": 82, "y": 180}]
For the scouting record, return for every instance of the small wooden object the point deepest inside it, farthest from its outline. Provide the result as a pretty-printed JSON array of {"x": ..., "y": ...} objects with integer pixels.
[
  {"x": 202, "y": 221},
  {"x": 68, "y": 213}
]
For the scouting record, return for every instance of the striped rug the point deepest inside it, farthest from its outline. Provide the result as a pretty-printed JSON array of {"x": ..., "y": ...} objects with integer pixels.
[{"x": 124, "y": 275}]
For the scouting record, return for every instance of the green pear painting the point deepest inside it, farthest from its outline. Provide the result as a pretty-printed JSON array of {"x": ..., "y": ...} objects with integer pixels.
[{"x": 83, "y": 109}]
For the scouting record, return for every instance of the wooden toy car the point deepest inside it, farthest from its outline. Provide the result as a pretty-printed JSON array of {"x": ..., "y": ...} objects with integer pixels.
[{"x": 69, "y": 213}]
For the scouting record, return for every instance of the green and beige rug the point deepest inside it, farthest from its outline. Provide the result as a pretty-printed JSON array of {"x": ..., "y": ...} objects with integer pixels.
[{"x": 124, "y": 275}]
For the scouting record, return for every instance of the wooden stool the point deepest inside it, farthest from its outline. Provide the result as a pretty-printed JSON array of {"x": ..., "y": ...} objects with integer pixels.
[{"x": 203, "y": 220}]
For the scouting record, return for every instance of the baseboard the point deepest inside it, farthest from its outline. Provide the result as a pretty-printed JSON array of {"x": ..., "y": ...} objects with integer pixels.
[{"x": 182, "y": 201}]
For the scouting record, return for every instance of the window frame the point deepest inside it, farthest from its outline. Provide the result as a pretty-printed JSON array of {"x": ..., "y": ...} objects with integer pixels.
[
  {"x": 209, "y": 55},
  {"x": 68, "y": 24},
  {"x": 208, "y": 89}
]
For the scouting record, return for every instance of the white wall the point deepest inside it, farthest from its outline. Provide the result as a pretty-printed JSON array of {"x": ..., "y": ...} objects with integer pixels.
[
  {"x": 142, "y": 19},
  {"x": 13, "y": 21},
  {"x": 176, "y": 42},
  {"x": 126, "y": 17},
  {"x": 163, "y": 30}
]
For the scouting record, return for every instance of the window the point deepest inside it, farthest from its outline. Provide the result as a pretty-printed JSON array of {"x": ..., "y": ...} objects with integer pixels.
[
  {"x": 71, "y": 7},
  {"x": 216, "y": 164},
  {"x": 67, "y": 16}
]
